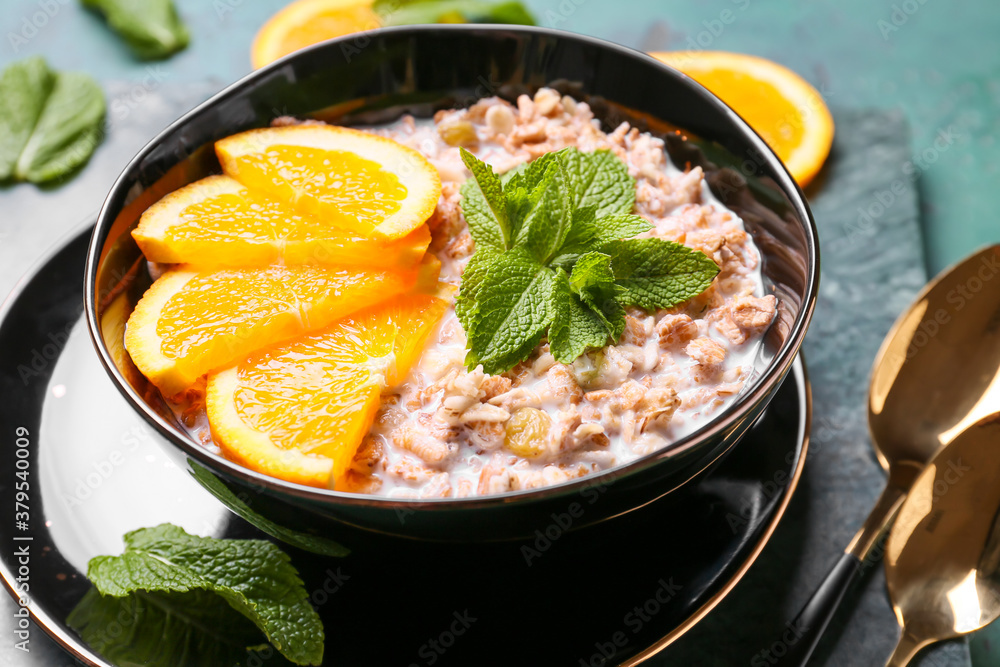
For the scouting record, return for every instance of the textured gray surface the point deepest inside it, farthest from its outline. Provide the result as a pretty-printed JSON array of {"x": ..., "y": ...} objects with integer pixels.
[
  {"x": 870, "y": 273},
  {"x": 872, "y": 267}
]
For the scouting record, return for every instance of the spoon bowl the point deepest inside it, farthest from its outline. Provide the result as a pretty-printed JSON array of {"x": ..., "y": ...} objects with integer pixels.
[
  {"x": 939, "y": 370},
  {"x": 942, "y": 555}
]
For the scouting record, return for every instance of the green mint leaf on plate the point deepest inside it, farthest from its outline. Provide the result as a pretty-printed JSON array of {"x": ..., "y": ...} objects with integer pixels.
[
  {"x": 409, "y": 12},
  {"x": 151, "y": 28},
  {"x": 653, "y": 273},
  {"x": 484, "y": 205},
  {"x": 575, "y": 325},
  {"x": 68, "y": 131},
  {"x": 555, "y": 254},
  {"x": 312, "y": 543},
  {"x": 514, "y": 311},
  {"x": 50, "y": 122},
  {"x": 24, "y": 87},
  {"x": 253, "y": 577},
  {"x": 167, "y": 629}
]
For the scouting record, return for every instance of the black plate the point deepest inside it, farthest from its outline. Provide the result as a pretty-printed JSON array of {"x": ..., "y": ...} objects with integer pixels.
[{"x": 625, "y": 588}]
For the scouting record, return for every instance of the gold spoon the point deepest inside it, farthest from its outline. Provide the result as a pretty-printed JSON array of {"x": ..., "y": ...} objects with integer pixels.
[
  {"x": 943, "y": 553},
  {"x": 937, "y": 373}
]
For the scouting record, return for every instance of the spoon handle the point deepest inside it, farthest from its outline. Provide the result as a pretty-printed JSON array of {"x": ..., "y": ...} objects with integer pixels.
[
  {"x": 906, "y": 649},
  {"x": 802, "y": 634}
]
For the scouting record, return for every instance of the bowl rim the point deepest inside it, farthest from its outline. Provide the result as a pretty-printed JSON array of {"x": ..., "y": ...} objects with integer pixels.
[{"x": 773, "y": 374}]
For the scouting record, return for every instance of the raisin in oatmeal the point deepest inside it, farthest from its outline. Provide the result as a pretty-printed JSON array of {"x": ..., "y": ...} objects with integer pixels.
[{"x": 451, "y": 432}]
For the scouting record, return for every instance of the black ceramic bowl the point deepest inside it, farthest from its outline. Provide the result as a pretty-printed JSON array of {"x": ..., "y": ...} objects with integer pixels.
[{"x": 375, "y": 77}]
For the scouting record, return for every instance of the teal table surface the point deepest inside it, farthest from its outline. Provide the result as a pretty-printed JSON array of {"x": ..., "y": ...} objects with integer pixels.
[{"x": 935, "y": 60}]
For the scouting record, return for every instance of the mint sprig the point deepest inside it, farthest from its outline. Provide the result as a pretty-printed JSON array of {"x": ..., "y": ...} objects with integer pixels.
[
  {"x": 165, "y": 570},
  {"x": 555, "y": 255}
]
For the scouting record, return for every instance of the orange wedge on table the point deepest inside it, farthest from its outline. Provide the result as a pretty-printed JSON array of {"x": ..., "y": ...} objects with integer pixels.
[
  {"x": 219, "y": 222},
  {"x": 351, "y": 179},
  {"x": 308, "y": 22},
  {"x": 299, "y": 411},
  {"x": 191, "y": 322},
  {"x": 787, "y": 112}
]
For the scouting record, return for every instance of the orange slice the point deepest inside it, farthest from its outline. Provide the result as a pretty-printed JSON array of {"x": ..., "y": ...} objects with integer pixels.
[
  {"x": 219, "y": 222},
  {"x": 299, "y": 411},
  {"x": 191, "y": 322},
  {"x": 308, "y": 22},
  {"x": 781, "y": 106},
  {"x": 352, "y": 179}
]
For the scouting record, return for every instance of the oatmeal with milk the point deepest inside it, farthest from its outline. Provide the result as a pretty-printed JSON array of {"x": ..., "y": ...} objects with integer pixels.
[{"x": 448, "y": 431}]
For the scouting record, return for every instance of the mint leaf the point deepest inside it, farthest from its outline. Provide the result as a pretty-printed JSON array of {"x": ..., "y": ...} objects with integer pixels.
[
  {"x": 530, "y": 174},
  {"x": 312, "y": 543},
  {"x": 513, "y": 311},
  {"x": 619, "y": 226},
  {"x": 594, "y": 281},
  {"x": 582, "y": 231},
  {"x": 466, "y": 303},
  {"x": 484, "y": 205},
  {"x": 253, "y": 576},
  {"x": 599, "y": 179},
  {"x": 520, "y": 185},
  {"x": 592, "y": 273},
  {"x": 151, "y": 28},
  {"x": 550, "y": 217},
  {"x": 575, "y": 325},
  {"x": 67, "y": 132},
  {"x": 166, "y": 629},
  {"x": 519, "y": 202},
  {"x": 409, "y": 12},
  {"x": 653, "y": 273},
  {"x": 50, "y": 123},
  {"x": 611, "y": 312},
  {"x": 24, "y": 87},
  {"x": 588, "y": 232}
]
